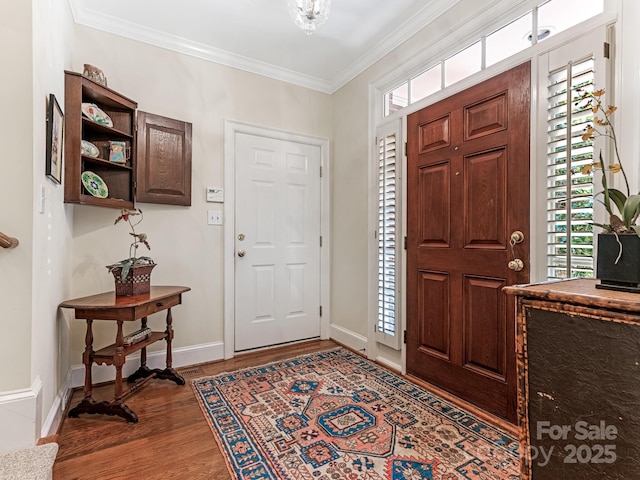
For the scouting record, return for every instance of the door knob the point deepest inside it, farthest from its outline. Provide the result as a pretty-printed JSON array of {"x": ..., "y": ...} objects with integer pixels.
[
  {"x": 515, "y": 264},
  {"x": 516, "y": 237},
  {"x": 241, "y": 253}
]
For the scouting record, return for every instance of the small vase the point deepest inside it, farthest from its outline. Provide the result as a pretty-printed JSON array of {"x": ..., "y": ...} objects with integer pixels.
[
  {"x": 625, "y": 274},
  {"x": 137, "y": 281}
]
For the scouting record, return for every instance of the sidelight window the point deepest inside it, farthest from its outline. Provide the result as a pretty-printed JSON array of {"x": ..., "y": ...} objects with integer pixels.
[
  {"x": 387, "y": 233},
  {"x": 569, "y": 191}
]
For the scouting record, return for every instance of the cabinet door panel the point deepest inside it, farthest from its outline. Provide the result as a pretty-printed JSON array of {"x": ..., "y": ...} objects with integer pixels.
[{"x": 164, "y": 160}]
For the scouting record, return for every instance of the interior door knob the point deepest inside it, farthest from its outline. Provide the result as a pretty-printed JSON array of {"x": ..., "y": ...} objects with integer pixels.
[{"x": 241, "y": 253}]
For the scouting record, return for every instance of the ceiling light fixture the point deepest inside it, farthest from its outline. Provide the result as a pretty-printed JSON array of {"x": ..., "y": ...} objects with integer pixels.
[{"x": 309, "y": 14}]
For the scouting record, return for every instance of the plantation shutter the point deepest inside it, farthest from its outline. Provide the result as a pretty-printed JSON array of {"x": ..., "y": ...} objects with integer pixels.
[
  {"x": 387, "y": 329},
  {"x": 569, "y": 192}
]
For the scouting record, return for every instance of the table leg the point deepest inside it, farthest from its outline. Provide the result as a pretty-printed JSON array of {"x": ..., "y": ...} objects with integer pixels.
[
  {"x": 118, "y": 362},
  {"x": 143, "y": 371},
  {"x": 87, "y": 359},
  {"x": 169, "y": 373},
  {"x": 117, "y": 407},
  {"x": 88, "y": 405}
]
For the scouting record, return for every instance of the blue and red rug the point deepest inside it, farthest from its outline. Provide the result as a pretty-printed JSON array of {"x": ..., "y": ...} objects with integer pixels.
[{"x": 335, "y": 415}]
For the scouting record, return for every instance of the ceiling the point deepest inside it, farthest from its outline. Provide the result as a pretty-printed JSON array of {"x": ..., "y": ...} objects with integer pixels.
[{"x": 260, "y": 37}]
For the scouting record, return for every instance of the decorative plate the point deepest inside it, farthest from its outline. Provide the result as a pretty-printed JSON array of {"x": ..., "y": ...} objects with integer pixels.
[
  {"x": 89, "y": 149},
  {"x": 94, "y": 184},
  {"x": 93, "y": 113}
]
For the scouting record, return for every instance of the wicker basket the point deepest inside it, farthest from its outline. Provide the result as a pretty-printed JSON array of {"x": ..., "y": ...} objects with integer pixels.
[{"x": 137, "y": 281}]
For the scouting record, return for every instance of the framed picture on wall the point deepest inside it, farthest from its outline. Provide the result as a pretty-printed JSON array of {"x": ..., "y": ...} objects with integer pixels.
[{"x": 55, "y": 126}]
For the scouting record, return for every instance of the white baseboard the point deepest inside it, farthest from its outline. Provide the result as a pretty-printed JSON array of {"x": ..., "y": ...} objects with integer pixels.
[
  {"x": 348, "y": 338},
  {"x": 54, "y": 418},
  {"x": 182, "y": 357},
  {"x": 359, "y": 343},
  {"x": 20, "y": 417},
  {"x": 389, "y": 364}
]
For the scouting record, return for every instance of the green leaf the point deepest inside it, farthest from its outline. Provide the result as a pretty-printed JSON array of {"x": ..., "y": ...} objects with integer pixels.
[
  {"x": 636, "y": 228},
  {"x": 126, "y": 266},
  {"x": 618, "y": 198},
  {"x": 630, "y": 209}
]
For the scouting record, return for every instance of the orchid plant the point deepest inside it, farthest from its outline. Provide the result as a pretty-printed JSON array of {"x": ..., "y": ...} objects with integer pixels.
[
  {"x": 133, "y": 218},
  {"x": 623, "y": 208}
]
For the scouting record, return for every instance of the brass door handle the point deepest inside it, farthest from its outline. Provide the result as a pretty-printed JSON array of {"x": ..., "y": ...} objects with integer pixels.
[
  {"x": 241, "y": 253},
  {"x": 515, "y": 264}
]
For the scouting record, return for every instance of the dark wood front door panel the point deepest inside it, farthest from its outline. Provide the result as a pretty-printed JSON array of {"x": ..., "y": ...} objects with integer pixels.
[
  {"x": 433, "y": 189},
  {"x": 468, "y": 190},
  {"x": 433, "y": 305}
]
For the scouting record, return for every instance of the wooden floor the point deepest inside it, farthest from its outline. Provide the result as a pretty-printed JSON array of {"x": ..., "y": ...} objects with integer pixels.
[{"x": 171, "y": 439}]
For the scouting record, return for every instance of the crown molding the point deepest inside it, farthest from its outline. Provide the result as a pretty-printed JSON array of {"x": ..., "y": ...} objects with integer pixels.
[
  {"x": 109, "y": 24},
  {"x": 427, "y": 14}
]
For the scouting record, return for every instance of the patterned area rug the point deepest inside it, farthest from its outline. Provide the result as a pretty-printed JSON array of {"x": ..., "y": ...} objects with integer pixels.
[{"x": 335, "y": 415}]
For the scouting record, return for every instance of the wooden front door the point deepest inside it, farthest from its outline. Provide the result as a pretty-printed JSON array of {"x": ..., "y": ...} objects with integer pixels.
[{"x": 468, "y": 190}]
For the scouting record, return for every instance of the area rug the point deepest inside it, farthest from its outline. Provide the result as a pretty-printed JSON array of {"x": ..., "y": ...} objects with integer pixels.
[{"x": 335, "y": 415}]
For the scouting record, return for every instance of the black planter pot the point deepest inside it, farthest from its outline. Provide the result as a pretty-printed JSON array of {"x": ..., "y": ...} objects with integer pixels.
[{"x": 624, "y": 275}]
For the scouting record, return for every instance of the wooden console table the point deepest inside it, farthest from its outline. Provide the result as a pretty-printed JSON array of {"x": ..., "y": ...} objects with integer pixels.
[
  {"x": 106, "y": 306},
  {"x": 579, "y": 381}
]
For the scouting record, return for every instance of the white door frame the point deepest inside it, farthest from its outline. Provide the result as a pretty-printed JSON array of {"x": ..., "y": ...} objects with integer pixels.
[{"x": 231, "y": 128}]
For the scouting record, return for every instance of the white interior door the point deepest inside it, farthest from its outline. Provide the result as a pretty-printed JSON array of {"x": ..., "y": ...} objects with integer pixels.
[{"x": 277, "y": 241}]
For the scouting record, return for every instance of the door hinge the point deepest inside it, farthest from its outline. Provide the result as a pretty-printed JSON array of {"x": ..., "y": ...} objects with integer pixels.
[
  {"x": 321, "y": 240},
  {"x": 405, "y": 242},
  {"x": 405, "y": 149},
  {"x": 320, "y": 310},
  {"x": 405, "y": 337},
  {"x": 607, "y": 50},
  {"x": 320, "y": 171}
]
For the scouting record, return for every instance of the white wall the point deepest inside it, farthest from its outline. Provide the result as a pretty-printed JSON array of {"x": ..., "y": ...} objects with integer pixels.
[
  {"x": 53, "y": 38},
  {"x": 187, "y": 250},
  {"x": 33, "y": 39},
  {"x": 17, "y": 403},
  {"x": 15, "y": 193}
]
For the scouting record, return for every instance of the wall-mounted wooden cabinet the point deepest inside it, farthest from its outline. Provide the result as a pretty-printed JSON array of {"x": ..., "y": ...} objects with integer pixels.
[{"x": 158, "y": 167}]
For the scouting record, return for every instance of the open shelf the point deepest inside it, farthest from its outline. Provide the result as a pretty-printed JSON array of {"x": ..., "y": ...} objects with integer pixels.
[
  {"x": 106, "y": 354},
  {"x": 118, "y": 177}
]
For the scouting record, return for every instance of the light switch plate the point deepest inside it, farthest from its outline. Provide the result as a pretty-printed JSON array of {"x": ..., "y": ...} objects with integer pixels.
[
  {"x": 214, "y": 217},
  {"x": 215, "y": 195}
]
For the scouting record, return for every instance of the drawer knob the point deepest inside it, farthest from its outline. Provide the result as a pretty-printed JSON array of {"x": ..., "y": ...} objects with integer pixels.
[{"x": 159, "y": 304}]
